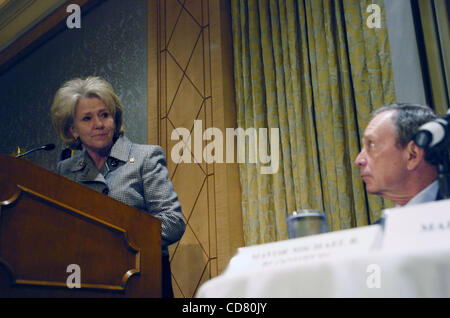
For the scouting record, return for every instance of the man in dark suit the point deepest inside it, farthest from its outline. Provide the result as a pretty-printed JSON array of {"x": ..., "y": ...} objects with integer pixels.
[{"x": 391, "y": 164}]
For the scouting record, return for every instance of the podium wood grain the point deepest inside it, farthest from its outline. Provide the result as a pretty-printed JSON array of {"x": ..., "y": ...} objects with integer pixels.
[{"x": 48, "y": 222}]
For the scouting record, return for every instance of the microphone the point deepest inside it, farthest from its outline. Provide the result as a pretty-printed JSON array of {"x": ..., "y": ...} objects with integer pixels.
[
  {"x": 433, "y": 137},
  {"x": 46, "y": 147},
  {"x": 432, "y": 133}
]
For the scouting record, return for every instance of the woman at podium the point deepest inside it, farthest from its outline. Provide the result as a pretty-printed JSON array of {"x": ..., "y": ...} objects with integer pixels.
[{"x": 87, "y": 114}]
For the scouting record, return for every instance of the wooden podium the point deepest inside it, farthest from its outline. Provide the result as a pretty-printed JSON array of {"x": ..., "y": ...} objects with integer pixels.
[{"x": 61, "y": 239}]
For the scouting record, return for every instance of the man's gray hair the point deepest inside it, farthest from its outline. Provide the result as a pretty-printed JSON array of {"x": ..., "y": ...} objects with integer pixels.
[{"x": 407, "y": 119}]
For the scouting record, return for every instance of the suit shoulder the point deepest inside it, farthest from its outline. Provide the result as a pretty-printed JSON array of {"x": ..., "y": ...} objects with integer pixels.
[
  {"x": 149, "y": 149},
  {"x": 68, "y": 163},
  {"x": 151, "y": 155}
]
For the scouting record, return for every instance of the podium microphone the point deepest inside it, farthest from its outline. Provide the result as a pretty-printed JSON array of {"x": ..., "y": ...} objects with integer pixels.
[
  {"x": 432, "y": 133},
  {"x": 46, "y": 147},
  {"x": 434, "y": 138}
]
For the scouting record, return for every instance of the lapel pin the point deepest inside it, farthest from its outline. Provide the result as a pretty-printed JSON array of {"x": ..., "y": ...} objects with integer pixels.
[{"x": 132, "y": 160}]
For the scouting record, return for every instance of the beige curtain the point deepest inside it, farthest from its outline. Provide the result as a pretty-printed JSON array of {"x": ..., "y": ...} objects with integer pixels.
[
  {"x": 434, "y": 40},
  {"x": 315, "y": 71}
]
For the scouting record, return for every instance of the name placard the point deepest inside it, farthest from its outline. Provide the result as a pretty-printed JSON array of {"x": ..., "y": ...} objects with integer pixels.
[
  {"x": 424, "y": 225},
  {"x": 306, "y": 249}
]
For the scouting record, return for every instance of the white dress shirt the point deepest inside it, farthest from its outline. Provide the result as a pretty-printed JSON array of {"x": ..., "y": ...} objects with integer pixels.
[{"x": 426, "y": 195}]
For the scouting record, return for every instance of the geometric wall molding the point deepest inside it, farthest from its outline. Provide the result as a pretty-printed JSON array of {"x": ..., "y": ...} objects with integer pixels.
[{"x": 187, "y": 83}]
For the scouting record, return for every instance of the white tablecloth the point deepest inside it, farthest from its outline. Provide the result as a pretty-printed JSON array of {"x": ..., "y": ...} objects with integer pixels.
[
  {"x": 406, "y": 256},
  {"x": 401, "y": 273}
]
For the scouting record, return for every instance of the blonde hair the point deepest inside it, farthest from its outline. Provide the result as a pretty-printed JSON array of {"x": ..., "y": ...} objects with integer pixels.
[{"x": 66, "y": 100}]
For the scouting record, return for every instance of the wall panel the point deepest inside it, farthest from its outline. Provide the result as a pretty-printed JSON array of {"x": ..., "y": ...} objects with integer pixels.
[{"x": 190, "y": 55}]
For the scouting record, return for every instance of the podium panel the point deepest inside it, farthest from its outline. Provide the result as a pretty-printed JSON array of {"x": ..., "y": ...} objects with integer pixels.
[{"x": 61, "y": 239}]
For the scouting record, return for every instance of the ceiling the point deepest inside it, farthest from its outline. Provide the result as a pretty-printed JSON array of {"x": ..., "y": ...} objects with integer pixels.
[{"x": 19, "y": 16}]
